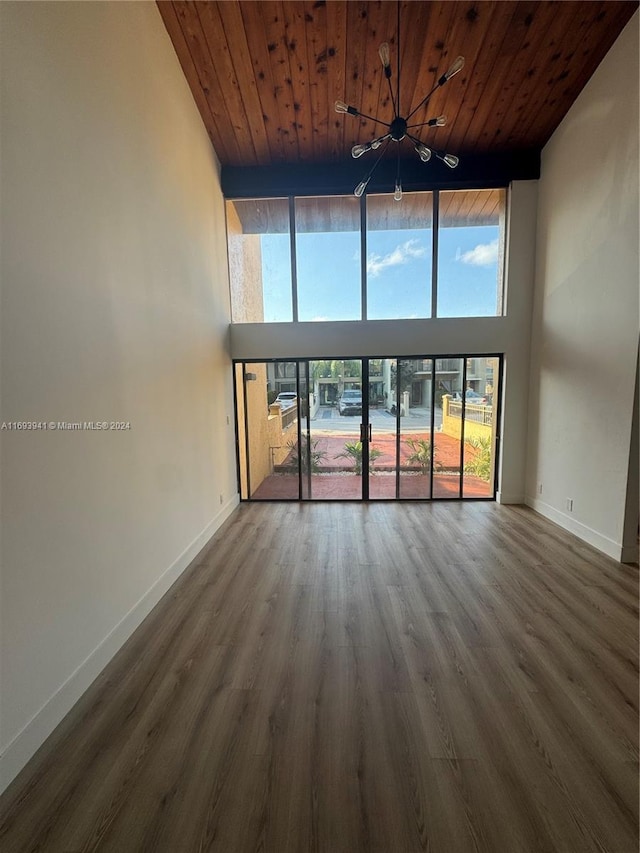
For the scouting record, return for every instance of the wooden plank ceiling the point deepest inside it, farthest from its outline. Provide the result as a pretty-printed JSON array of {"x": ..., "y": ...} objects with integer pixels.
[{"x": 265, "y": 74}]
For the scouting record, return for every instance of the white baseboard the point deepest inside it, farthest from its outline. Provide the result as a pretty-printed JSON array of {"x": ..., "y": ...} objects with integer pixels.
[
  {"x": 582, "y": 531},
  {"x": 29, "y": 739}
]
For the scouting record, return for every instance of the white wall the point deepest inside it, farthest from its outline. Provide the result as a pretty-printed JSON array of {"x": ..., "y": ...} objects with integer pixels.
[
  {"x": 114, "y": 308},
  {"x": 508, "y": 335},
  {"x": 585, "y": 325}
]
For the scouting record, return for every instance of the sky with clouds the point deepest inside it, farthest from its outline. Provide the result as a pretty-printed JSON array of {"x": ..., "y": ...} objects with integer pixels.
[
  {"x": 398, "y": 274},
  {"x": 482, "y": 255},
  {"x": 402, "y": 254}
]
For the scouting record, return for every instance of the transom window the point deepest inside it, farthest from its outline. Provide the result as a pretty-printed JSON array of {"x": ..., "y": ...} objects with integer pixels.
[{"x": 434, "y": 254}]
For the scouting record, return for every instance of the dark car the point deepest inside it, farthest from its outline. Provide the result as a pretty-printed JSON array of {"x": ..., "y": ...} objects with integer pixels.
[{"x": 350, "y": 403}]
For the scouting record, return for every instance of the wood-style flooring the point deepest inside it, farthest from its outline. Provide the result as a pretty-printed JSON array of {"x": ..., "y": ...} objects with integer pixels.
[{"x": 347, "y": 677}]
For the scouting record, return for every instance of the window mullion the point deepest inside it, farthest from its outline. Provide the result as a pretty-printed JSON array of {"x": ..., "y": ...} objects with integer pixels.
[
  {"x": 363, "y": 256},
  {"x": 434, "y": 255},
  {"x": 294, "y": 266}
]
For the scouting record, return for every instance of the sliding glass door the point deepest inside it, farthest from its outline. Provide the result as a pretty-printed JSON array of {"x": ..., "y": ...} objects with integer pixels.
[
  {"x": 336, "y": 448},
  {"x": 267, "y": 394},
  {"x": 417, "y": 428}
]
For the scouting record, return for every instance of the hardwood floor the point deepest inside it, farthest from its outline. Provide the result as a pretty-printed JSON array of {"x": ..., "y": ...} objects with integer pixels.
[{"x": 349, "y": 677}]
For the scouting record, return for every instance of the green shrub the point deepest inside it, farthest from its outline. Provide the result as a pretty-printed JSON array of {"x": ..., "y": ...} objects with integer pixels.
[
  {"x": 353, "y": 451},
  {"x": 315, "y": 457},
  {"x": 421, "y": 454},
  {"x": 480, "y": 465}
]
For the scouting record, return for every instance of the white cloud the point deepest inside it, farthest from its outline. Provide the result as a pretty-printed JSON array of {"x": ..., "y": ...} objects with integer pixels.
[
  {"x": 483, "y": 255},
  {"x": 318, "y": 319},
  {"x": 402, "y": 254}
]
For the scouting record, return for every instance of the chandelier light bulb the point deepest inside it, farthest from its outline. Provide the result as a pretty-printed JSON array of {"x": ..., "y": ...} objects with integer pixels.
[
  {"x": 359, "y": 190},
  {"x": 359, "y": 150},
  {"x": 376, "y": 143},
  {"x": 423, "y": 152},
  {"x": 383, "y": 53},
  {"x": 397, "y": 195},
  {"x": 341, "y": 107},
  {"x": 438, "y": 121},
  {"x": 451, "y": 160},
  {"x": 458, "y": 65}
]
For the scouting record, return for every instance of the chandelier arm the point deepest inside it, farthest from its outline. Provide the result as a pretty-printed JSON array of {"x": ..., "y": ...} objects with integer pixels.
[
  {"x": 422, "y": 124},
  {"x": 423, "y": 101},
  {"x": 359, "y": 190},
  {"x": 393, "y": 100},
  {"x": 379, "y": 157},
  {"x": 380, "y": 140},
  {"x": 371, "y": 118}
]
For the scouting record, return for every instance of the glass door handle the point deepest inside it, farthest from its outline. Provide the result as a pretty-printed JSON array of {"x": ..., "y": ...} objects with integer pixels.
[{"x": 363, "y": 433}]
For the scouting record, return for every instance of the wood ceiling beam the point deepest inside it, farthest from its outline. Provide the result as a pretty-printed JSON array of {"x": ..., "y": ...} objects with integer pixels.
[{"x": 480, "y": 171}]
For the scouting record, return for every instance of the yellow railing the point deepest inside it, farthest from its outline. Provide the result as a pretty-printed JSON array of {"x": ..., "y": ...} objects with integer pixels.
[{"x": 478, "y": 422}]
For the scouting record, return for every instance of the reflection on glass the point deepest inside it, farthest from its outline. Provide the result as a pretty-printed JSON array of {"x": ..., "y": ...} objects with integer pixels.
[
  {"x": 471, "y": 253},
  {"x": 399, "y": 252},
  {"x": 259, "y": 250},
  {"x": 481, "y": 400},
  {"x": 328, "y": 258}
]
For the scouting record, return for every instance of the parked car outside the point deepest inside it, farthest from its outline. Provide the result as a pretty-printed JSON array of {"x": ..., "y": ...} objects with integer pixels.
[
  {"x": 350, "y": 403},
  {"x": 471, "y": 396},
  {"x": 285, "y": 399}
]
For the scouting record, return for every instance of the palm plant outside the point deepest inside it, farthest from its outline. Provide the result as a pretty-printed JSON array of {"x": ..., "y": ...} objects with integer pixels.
[
  {"x": 421, "y": 454},
  {"x": 480, "y": 464},
  {"x": 312, "y": 456},
  {"x": 353, "y": 451}
]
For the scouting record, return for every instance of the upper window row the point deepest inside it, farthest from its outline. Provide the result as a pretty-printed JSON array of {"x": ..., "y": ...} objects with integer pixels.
[{"x": 434, "y": 254}]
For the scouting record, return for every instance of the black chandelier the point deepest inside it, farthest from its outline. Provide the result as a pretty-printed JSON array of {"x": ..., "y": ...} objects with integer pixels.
[{"x": 399, "y": 128}]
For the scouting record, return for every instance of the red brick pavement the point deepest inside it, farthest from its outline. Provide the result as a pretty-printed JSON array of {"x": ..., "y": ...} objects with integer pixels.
[
  {"x": 447, "y": 450},
  {"x": 340, "y": 483}
]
